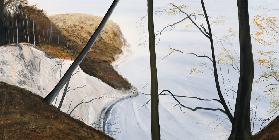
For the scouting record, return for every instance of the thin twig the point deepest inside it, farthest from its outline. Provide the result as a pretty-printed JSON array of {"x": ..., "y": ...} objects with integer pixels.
[
  {"x": 196, "y": 108},
  {"x": 204, "y": 56},
  {"x": 82, "y": 102},
  {"x": 172, "y": 25},
  {"x": 76, "y": 88},
  {"x": 175, "y": 97},
  {"x": 189, "y": 17}
]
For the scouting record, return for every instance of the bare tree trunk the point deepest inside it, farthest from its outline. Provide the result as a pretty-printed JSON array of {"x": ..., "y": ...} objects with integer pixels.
[
  {"x": 214, "y": 63},
  {"x": 155, "y": 125},
  {"x": 241, "y": 127},
  {"x": 3, "y": 29},
  {"x": 64, "y": 95},
  {"x": 50, "y": 97},
  {"x": 1, "y": 11}
]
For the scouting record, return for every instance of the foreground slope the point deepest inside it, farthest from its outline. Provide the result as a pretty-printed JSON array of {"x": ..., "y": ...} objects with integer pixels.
[{"x": 25, "y": 116}]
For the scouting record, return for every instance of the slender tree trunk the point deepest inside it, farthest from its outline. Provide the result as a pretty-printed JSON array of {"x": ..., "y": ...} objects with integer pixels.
[
  {"x": 50, "y": 97},
  {"x": 2, "y": 2},
  {"x": 64, "y": 95},
  {"x": 214, "y": 63},
  {"x": 241, "y": 127},
  {"x": 2, "y": 13},
  {"x": 155, "y": 125}
]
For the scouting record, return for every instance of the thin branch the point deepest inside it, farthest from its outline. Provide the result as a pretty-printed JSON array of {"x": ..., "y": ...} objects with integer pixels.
[
  {"x": 64, "y": 94},
  {"x": 82, "y": 102},
  {"x": 182, "y": 96},
  {"x": 204, "y": 56},
  {"x": 189, "y": 17},
  {"x": 172, "y": 50},
  {"x": 76, "y": 88},
  {"x": 270, "y": 75},
  {"x": 175, "y": 97},
  {"x": 221, "y": 97},
  {"x": 172, "y": 25},
  {"x": 196, "y": 108},
  {"x": 76, "y": 72}
]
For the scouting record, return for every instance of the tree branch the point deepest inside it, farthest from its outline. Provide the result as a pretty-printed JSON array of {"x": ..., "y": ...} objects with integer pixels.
[
  {"x": 189, "y": 17},
  {"x": 64, "y": 94},
  {"x": 204, "y": 56},
  {"x": 221, "y": 97},
  {"x": 76, "y": 88},
  {"x": 189, "y": 108},
  {"x": 175, "y": 97},
  {"x": 82, "y": 102},
  {"x": 172, "y": 25},
  {"x": 172, "y": 50}
]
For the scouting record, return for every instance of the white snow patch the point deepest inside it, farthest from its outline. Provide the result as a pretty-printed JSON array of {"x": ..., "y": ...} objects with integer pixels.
[{"x": 29, "y": 68}]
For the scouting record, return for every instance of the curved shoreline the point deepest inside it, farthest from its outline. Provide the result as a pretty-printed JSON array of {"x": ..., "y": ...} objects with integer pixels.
[{"x": 105, "y": 113}]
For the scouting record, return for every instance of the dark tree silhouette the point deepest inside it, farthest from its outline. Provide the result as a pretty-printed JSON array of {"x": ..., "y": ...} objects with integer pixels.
[
  {"x": 208, "y": 34},
  {"x": 241, "y": 128},
  {"x": 155, "y": 125},
  {"x": 51, "y": 96}
]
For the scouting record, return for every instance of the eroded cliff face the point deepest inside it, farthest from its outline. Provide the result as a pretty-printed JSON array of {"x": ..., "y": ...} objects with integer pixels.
[{"x": 29, "y": 68}]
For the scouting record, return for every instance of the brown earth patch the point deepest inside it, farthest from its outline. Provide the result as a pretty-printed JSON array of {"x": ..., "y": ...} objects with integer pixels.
[
  {"x": 270, "y": 132},
  {"x": 24, "y": 116}
]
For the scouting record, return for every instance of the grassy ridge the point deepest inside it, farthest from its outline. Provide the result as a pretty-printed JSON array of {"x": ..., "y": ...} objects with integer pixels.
[
  {"x": 63, "y": 36},
  {"x": 78, "y": 28}
]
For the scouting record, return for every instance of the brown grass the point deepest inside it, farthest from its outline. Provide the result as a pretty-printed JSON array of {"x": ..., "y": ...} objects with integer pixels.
[
  {"x": 56, "y": 52},
  {"x": 74, "y": 30},
  {"x": 24, "y": 116},
  {"x": 270, "y": 132},
  {"x": 77, "y": 29}
]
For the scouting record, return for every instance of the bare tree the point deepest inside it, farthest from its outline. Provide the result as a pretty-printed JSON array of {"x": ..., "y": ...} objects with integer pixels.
[
  {"x": 208, "y": 34},
  {"x": 241, "y": 128},
  {"x": 51, "y": 96},
  {"x": 155, "y": 125}
]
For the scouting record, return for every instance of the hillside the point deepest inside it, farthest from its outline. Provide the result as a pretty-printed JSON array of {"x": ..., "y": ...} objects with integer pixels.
[
  {"x": 78, "y": 28},
  {"x": 31, "y": 69},
  {"x": 25, "y": 116},
  {"x": 270, "y": 132},
  {"x": 64, "y": 36}
]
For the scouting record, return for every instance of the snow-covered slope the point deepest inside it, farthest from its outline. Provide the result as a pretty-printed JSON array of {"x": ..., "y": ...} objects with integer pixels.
[{"x": 29, "y": 68}]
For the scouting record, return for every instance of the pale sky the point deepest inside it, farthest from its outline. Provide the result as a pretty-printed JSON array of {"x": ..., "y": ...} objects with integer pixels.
[{"x": 96, "y": 7}]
